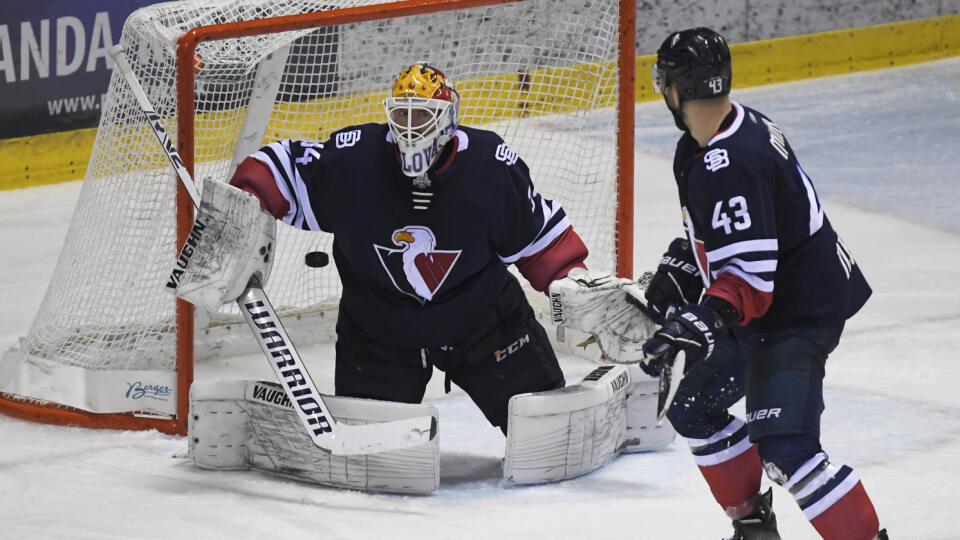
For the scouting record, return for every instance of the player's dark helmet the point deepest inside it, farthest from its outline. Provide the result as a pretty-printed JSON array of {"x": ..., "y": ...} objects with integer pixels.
[{"x": 697, "y": 60}]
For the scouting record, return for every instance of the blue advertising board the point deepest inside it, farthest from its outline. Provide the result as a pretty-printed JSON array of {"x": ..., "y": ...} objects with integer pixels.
[{"x": 55, "y": 63}]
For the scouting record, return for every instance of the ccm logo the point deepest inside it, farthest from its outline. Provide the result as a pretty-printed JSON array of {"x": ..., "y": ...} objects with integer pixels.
[{"x": 501, "y": 354}]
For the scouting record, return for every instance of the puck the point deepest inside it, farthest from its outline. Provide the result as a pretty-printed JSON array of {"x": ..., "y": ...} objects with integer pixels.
[{"x": 316, "y": 259}]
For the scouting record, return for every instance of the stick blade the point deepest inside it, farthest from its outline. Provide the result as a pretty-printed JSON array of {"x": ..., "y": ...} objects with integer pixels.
[
  {"x": 671, "y": 373},
  {"x": 378, "y": 437}
]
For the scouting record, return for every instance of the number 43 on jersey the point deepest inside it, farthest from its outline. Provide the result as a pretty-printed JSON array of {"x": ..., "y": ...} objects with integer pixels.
[{"x": 737, "y": 206}]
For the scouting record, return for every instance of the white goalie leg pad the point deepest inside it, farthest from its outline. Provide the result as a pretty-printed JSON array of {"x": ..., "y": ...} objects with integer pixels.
[
  {"x": 568, "y": 432},
  {"x": 237, "y": 425},
  {"x": 643, "y": 433},
  {"x": 232, "y": 240}
]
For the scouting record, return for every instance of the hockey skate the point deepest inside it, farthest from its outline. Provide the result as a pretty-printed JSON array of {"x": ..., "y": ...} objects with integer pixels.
[{"x": 760, "y": 525}]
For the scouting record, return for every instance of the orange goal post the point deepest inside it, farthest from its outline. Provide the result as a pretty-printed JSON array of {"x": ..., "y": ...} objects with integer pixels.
[{"x": 109, "y": 348}]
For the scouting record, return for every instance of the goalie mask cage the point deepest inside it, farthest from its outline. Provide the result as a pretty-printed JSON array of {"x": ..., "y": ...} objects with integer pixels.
[{"x": 110, "y": 348}]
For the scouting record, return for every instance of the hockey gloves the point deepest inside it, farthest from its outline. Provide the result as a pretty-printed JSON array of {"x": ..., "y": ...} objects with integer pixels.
[
  {"x": 677, "y": 281},
  {"x": 581, "y": 299},
  {"x": 609, "y": 308},
  {"x": 627, "y": 326},
  {"x": 692, "y": 330}
]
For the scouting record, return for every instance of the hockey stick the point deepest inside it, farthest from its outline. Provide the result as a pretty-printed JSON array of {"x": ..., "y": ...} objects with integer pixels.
[
  {"x": 323, "y": 429},
  {"x": 669, "y": 383}
]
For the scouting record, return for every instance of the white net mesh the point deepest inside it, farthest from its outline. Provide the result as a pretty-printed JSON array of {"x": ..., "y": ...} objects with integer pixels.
[{"x": 541, "y": 73}]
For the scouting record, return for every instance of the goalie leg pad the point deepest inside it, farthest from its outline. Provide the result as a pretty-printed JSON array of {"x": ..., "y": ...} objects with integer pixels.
[
  {"x": 568, "y": 432},
  {"x": 237, "y": 425},
  {"x": 232, "y": 240}
]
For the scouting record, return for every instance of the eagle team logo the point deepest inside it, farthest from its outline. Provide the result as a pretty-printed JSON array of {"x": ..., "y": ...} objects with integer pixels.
[{"x": 415, "y": 267}]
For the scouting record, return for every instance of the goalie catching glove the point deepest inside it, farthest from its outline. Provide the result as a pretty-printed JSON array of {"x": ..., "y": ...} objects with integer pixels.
[
  {"x": 609, "y": 308},
  {"x": 232, "y": 241},
  {"x": 581, "y": 300},
  {"x": 628, "y": 325}
]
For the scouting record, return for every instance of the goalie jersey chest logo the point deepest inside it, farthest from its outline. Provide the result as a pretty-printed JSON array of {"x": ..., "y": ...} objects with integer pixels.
[{"x": 415, "y": 266}]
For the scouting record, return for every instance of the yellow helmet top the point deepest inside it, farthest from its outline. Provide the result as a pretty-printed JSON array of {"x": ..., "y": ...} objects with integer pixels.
[{"x": 422, "y": 81}]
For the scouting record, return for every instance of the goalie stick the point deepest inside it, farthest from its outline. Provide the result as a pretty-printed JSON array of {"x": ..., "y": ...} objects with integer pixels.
[{"x": 324, "y": 430}]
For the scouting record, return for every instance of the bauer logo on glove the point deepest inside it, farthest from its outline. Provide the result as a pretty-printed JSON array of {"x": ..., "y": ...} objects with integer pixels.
[{"x": 690, "y": 331}]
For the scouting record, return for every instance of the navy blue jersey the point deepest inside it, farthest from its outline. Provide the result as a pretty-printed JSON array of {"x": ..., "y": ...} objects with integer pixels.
[
  {"x": 762, "y": 239},
  {"x": 421, "y": 260}
]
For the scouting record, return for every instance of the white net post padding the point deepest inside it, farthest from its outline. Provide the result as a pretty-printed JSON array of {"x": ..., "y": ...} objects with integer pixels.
[{"x": 542, "y": 73}]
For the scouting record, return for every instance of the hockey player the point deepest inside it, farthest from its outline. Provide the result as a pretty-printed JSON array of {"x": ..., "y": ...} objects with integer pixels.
[
  {"x": 426, "y": 216},
  {"x": 779, "y": 286}
]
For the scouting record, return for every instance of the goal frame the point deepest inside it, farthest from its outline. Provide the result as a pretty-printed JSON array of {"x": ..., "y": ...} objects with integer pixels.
[{"x": 185, "y": 103}]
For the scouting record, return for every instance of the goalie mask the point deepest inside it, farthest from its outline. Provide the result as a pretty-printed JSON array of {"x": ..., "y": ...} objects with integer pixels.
[{"x": 422, "y": 112}]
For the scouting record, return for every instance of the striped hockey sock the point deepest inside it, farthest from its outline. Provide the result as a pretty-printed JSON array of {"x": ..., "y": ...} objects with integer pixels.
[
  {"x": 834, "y": 500},
  {"x": 730, "y": 465}
]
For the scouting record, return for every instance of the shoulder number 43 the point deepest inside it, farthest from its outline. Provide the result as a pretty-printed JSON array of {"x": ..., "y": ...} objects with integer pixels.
[{"x": 741, "y": 216}]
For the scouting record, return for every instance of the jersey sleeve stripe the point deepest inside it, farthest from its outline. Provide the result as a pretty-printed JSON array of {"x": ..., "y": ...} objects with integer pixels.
[
  {"x": 816, "y": 209},
  {"x": 543, "y": 239},
  {"x": 280, "y": 179},
  {"x": 753, "y": 267},
  {"x": 306, "y": 209},
  {"x": 278, "y": 158},
  {"x": 553, "y": 213},
  {"x": 747, "y": 246},
  {"x": 753, "y": 280}
]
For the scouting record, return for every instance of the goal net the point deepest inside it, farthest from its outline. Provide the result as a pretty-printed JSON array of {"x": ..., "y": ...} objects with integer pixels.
[{"x": 110, "y": 348}]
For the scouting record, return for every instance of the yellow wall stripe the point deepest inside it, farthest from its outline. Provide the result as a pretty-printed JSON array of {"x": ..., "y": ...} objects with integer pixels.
[
  {"x": 845, "y": 51},
  {"x": 60, "y": 157},
  {"x": 45, "y": 159},
  {"x": 831, "y": 53}
]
